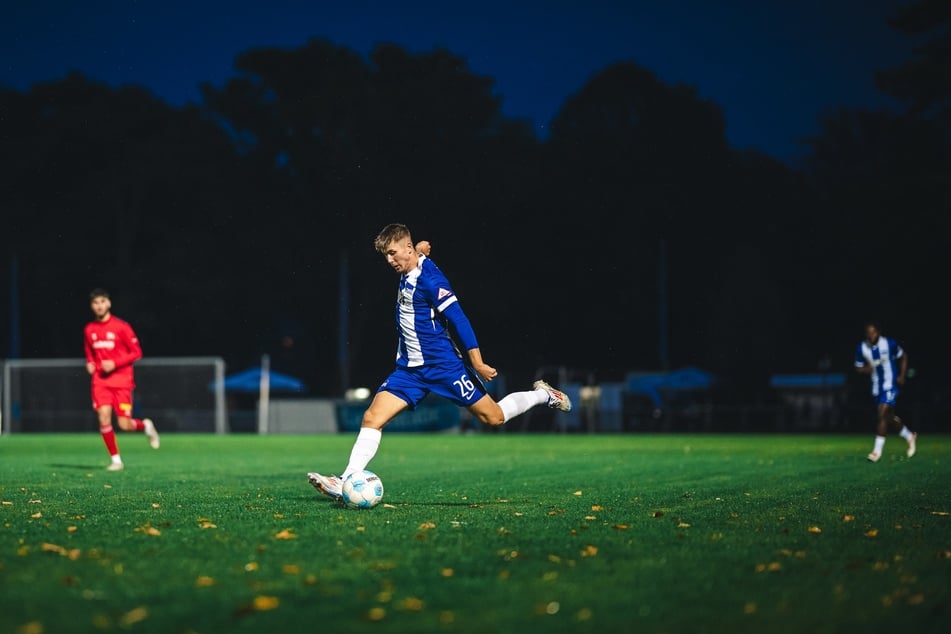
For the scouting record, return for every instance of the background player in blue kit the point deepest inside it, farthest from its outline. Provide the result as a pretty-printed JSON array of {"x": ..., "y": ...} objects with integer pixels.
[
  {"x": 427, "y": 359},
  {"x": 887, "y": 364}
]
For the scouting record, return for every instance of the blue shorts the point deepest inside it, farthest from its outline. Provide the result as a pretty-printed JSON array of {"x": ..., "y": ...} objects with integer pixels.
[
  {"x": 450, "y": 380},
  {"x": 887, "y": 397}
]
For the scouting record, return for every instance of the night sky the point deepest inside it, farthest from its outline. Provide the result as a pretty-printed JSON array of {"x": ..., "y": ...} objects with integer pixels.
[{"x": 772, "y": 67}]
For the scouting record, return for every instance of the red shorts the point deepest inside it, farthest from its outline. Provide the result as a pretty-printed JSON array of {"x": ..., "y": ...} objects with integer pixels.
[{"x": 120, "y": 398}]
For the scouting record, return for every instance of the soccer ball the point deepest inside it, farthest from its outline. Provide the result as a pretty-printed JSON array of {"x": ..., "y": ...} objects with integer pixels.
[{"x": 362, "y": 490}]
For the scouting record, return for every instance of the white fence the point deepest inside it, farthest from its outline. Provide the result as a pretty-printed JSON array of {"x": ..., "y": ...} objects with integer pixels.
[{"x": 179, "y": 393}]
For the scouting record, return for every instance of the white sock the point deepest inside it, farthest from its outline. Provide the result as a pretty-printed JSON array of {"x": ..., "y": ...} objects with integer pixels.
[
  {"x": 116, "y": 459},
  {"x": 905, "y": 433},
  {"x": 520, "y": 402},
  {"x": 879, "y": 444},
  {"x": 364, "y": 448}
]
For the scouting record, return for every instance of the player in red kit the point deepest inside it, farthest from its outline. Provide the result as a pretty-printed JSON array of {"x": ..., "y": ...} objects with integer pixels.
[{"x": 111, "y": 349}]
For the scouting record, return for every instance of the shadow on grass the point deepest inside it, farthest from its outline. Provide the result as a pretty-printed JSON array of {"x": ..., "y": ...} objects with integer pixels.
[
  {"x": 445, "y": 504},
  {"x": 78, "y": 467},
  {"x": 402, "y": 504}
]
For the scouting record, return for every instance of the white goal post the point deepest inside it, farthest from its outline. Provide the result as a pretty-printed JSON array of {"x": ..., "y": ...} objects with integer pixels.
[{"x": 53, "y": 395}]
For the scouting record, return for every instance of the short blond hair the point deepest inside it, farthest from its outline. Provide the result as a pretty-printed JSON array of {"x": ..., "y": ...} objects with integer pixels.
[{"x": 393, "y": 232}]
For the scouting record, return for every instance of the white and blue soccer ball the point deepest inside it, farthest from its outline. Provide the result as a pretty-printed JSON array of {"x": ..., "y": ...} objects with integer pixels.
[{"x": 362, "y": 490}]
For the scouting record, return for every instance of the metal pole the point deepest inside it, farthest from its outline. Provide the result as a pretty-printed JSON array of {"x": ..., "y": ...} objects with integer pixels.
[
  {"x": 264, "y": 393},
  {"x": 662, "y": 352}
]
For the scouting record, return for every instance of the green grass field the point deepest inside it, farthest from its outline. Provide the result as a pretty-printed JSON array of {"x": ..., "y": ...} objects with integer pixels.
[{"x": 477, "y": 533}]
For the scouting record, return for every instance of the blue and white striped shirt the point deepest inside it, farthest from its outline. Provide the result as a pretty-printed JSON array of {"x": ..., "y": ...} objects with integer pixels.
[
  {"x": 882, "y": 356},
  {"x": 423, "y": 335}
]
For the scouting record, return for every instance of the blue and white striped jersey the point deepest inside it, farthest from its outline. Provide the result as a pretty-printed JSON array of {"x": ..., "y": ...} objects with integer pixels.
[
  {"x": 423, "y": 336},
  {"x": 882, "y": 356}
]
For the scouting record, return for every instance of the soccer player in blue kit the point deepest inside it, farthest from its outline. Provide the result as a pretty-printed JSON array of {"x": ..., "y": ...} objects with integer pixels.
[
  {"x": 427, "y": 360},
  {"x": 884, "y": 360}
]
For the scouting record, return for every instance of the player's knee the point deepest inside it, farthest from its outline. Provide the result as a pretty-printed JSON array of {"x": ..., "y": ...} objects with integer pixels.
[
  {"x": 372, "y": 420},
  {"x": 493, "y": 417}
]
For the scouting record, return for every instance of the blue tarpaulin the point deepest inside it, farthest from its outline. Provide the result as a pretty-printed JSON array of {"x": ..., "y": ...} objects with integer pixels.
[
  {"x": 652, "y": 385},
  {"x": 250, "y": 381}
]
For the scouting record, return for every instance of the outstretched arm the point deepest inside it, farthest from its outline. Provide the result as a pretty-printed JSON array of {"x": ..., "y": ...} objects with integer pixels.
[
  {"x": 486, "y": 371},
  {"x": 459, "y": 323}
]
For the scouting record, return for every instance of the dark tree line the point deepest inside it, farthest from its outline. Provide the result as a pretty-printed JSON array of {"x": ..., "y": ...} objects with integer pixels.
[{"x": 226, "y": 227}]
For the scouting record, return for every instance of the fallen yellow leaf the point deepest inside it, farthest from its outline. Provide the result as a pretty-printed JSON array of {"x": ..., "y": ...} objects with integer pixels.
[
  {"x": 33, "y": 627},
  {"x": 204, "y": 581},
  {"x": 412, "y": 604},
  {"x": 148, "y": 529},
  {"x": 263, "y": 603},
  {"x": 814, "y": 529},
  {"x": 871, "y": 532},
  {"x": 848, "y": 518},
  {"x": 285, "y": 534},
  {"x": 133, "y": 616}
]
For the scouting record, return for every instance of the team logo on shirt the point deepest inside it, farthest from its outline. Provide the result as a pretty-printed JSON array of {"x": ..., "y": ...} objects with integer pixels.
[{"x": 443, "y": 293}]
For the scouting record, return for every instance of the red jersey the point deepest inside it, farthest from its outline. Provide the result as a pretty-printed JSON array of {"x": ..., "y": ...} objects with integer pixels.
[{"x": 112, "y": 339}]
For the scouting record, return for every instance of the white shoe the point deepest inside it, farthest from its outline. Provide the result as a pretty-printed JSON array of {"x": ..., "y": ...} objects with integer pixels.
[
  {"x": 874, "y": 456},
  {"x": 556, "y": 398},
  {"x": 911, "y": 445},
  {"x": 151, "y": 433},
  {"x": 115, "y": 466},
  {"x": 328, "y": 485}
]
